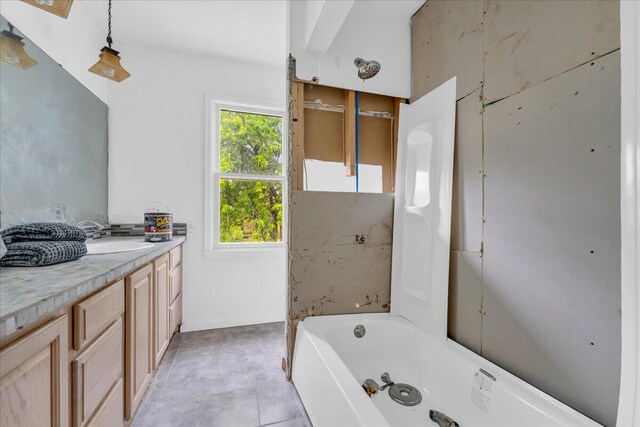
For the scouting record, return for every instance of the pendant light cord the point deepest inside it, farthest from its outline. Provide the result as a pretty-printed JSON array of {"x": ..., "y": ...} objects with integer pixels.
[{"x": 109, "y": 39}]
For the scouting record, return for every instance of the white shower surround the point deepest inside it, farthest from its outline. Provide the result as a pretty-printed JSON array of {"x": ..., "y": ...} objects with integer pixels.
[{"x": 411, "y": 344}]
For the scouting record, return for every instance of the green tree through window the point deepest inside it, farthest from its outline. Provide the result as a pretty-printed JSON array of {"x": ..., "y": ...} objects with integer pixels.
[{"x": 250, "y": 208}]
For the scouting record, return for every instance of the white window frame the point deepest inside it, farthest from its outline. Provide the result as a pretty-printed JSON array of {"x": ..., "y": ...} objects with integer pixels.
[{"x": 213, "y": 246}]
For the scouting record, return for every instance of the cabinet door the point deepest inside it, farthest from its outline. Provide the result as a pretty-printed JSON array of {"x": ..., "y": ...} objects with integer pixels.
[
  {"x": 175, "y": 313},
  {"x": 95, "y": 372},
  {"x": 175, "y": 283},
  {"x": 160, "y": 308},
  {"x": 138, "y": 344},
  {"x": 34, "y": 378}
]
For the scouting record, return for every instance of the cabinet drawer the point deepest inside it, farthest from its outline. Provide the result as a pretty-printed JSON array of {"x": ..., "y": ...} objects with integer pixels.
[
  {"x": 175, "y": 257},
  {"x": 175, "y": 283},
  {"x": 111, "y": 412},
  {"x": 175, "y": 313},
  {"x": 94, "y": 314},
  {"x": 96, "y": 371}
]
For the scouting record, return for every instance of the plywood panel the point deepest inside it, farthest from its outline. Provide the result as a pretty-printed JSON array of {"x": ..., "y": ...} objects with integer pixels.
[
  {"x": 373, "y": 102},
  {"x": 465, "y": 299},
  {"x": 528, "y": 42},
  {"x": 551, "y": 263},
  {"x": 323, "y": 135},
  {"x": 446, "y": 42},
  {"x": 329, "y": 272},
  {"x": 375, "y": 146},
  {"x": 325, "y": 94},
  {"x": 466, "y": 212}
]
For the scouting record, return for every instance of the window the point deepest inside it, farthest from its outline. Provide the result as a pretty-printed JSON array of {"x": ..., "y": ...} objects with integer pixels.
[{"x": 248, "y": 182}]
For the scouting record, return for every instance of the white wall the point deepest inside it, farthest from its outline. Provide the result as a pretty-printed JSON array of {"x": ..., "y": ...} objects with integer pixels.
[
  {"x": 156, "y": 153},
  {"x": 365, "y": 34},
  {"x": 74, "y": 42}
]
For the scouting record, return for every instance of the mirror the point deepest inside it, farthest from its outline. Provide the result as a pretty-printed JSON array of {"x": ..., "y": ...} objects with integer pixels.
[{"x": 53, "y": 139}]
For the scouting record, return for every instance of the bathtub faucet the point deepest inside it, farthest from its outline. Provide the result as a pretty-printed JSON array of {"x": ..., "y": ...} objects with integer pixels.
[{"x": 441, "y": 419}]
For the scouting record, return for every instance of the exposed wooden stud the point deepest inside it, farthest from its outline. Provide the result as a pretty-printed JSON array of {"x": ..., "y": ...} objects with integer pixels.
[
  {"x": 394, "y": 140},
  {"x": 297, "y": 136},
  {"x": 350, "y": 132}
]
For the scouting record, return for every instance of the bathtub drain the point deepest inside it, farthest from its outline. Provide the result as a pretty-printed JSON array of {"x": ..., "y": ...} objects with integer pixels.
[{"x": 405, "y": 394}]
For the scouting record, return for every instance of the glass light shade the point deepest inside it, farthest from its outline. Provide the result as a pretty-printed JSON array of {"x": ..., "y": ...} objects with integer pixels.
[
  {"x": 109, "y": 65},
  {"x": 57, "y": 7},
  {"x": 12, "y": 51}
]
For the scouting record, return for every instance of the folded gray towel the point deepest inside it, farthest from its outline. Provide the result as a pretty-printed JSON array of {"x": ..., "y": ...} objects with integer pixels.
[
  {"x": 42, "y": 231},
  {"x": 38, "y": 254}
]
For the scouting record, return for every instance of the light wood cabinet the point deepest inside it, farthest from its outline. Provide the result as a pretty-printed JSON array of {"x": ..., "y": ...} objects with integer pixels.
[
  {"x": 161, "y": 332},
  {"x": 175, "y": 257},
  {"x": 139, "y": 330},
  {"x": 175, "y": 313},
  {"x": 91, "y": 366},
  {"x": 109, "y": 414},
  {"x": 175, "y": 289},
  {"x": 175, "y": 283},
  {"x": 92, "y": 315},
  {"x": 95, "y": 372},
  {"x": 34, "y": 387}
]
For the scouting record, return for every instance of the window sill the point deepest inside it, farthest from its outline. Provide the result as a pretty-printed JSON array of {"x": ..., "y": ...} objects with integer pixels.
[{"x": 238, "y": 252}]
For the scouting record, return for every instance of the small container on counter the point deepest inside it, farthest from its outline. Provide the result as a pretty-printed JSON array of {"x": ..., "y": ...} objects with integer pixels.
[{"x": 158, "y": 225}]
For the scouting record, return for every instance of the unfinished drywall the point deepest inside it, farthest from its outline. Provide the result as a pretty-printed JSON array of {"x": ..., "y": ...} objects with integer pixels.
[
  {"x": 552, "y": 236},
  {"x": 531, "y": 200},
  {"x": 446, "y": 41},
  {"x": 466, "y": 209},
  {"x": 528, "y": 42},
  {"x": 329, "y": 271}
]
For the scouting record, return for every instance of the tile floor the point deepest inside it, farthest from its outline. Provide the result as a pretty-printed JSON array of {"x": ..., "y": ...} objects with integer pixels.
[{"x": 223, "y": 378}]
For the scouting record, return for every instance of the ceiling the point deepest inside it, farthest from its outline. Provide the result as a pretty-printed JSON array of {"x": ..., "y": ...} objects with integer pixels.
[
  {"x": 247, "y": 30},
  {"x": 389, "y": 9},
  {"x": 251, "y": 31}
]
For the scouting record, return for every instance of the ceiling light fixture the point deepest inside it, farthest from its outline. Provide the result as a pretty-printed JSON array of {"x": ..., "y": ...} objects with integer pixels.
[
  {"x": 12, "y": 50},
  {"x": 108, "y": 65},
  {"x": 57, "y": 7}
]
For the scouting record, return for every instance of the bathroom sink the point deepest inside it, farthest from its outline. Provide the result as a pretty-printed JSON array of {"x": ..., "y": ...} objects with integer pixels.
[{"x": 114, "y": 247}]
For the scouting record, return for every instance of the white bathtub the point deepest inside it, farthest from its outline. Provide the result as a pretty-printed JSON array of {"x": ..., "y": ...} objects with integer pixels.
[{"x": 330, "y": 364}]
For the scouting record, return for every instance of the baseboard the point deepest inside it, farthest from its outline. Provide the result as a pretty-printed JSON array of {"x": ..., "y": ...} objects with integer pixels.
[{"x": 228, "y": 323}]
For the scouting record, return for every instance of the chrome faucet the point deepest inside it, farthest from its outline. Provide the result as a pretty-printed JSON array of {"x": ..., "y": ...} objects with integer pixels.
[{"x": 81, "y": 224}]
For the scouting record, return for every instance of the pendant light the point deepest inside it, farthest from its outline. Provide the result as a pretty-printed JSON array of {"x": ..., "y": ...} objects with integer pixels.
[
  {"x": 57, "y": 7},
  {"x": 12, "y": 50},
  {"x": 108, "y": 65}
]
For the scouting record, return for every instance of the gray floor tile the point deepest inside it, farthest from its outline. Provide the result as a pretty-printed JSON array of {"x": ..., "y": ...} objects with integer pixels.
[
  {"x": 228, "y": 383},
  {"x": 169, "y": 391},
  {"x": 296, "y": 422},
  {"x": 271, "y": 376},
  {"x": 167, "y": 414},
  {"x": 237, "y": 409},
  {"x": 279, "y": 402},
  {"x": 236, "y": 344},
  {"x": 227, "y": 377},
  {"x": 241, "y": 363},
  {"x": 193, "y": 368}
]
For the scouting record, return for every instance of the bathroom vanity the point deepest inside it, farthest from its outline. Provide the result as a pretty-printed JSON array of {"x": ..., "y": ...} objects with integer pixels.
[{"x": 79, "y": 342}]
